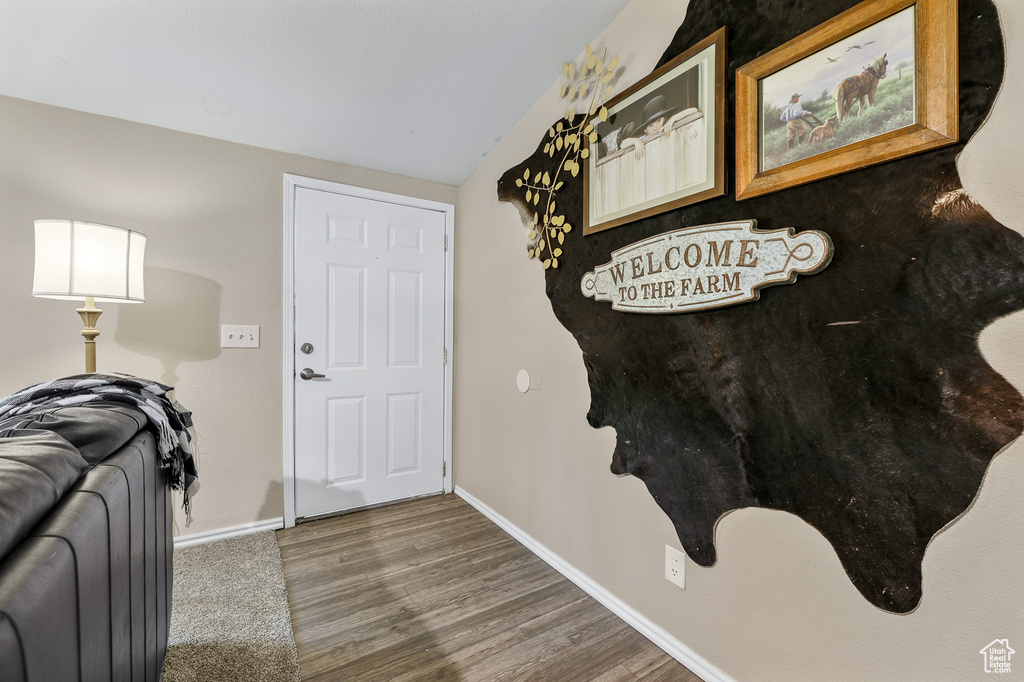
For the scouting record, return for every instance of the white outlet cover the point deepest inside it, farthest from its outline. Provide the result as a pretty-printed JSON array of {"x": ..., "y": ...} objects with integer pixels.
[{"x": 675, "y": 567}]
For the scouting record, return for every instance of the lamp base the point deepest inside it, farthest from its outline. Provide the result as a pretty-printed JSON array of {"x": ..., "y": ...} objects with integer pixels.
[{"x": 90, "y": 314}]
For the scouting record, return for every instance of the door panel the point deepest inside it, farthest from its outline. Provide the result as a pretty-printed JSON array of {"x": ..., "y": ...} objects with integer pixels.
[
  {"x": 369, "y": 297},
  {"x": 346, "y": 310},
  {"x": 404, "y": 307},
  {"x": 346, "y": 442},
  {"x": 404, "y": 434}
]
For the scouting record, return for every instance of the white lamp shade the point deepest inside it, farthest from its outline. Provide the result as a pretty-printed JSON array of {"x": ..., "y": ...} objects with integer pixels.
[{"x": 75, "y": 260}]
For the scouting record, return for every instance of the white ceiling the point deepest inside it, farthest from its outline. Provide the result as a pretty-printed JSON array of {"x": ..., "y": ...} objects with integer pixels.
[{"x": 423, "y": 88}]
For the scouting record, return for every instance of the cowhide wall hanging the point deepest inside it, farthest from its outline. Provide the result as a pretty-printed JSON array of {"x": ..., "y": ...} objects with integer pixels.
[{"x": 856, "y": 398}]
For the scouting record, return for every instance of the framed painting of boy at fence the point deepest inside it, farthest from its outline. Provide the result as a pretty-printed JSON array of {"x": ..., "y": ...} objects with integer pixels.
[
  {"x": 663, "y": 143},
  {"x": 878, "y": 82}
]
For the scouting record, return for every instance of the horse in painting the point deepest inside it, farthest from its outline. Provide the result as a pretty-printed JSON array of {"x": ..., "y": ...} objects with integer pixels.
[{"x": 856, "y": 88}]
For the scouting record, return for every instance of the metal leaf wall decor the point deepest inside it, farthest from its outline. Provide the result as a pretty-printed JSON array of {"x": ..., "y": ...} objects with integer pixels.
[{"x": 590, "y": 84}]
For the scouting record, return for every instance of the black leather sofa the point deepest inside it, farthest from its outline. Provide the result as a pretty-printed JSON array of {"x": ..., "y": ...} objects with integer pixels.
[{"x": 85, "y": 547}]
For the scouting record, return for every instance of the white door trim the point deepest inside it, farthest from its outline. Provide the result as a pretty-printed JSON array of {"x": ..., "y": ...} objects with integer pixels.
[{"x": 291, "y": 184}]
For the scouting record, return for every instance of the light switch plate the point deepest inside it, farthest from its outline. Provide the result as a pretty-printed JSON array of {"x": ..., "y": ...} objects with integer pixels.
[{"x": 239, "y": 336}]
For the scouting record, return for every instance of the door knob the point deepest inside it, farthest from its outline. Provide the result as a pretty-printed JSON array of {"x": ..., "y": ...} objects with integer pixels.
[{"x": 308, "y": 374}]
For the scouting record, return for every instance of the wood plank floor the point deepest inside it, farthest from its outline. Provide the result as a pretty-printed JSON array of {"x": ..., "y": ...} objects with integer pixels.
[{"x": 433, "y": 590}]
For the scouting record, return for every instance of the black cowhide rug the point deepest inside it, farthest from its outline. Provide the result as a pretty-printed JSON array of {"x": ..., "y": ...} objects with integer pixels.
[{"x": 878, "y": 431}]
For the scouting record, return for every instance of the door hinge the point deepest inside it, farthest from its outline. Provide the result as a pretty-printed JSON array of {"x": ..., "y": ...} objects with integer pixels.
[
  {"x": 446, "y": 356},
  {"x": 444, "y": 469},
  {"x": 446, "y": 242}
]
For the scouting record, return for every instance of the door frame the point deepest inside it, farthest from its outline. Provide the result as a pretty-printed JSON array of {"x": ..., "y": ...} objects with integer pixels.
[{"x": 291, "y": 184}]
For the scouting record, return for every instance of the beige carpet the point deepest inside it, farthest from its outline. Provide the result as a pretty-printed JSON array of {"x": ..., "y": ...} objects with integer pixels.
[{"x": 229, "y": 617}]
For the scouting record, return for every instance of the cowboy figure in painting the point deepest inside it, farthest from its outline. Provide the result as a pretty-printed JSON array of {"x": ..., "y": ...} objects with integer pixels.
[
  {"x": 796, "y": 127},
  {"x": 658, "y": 119}
]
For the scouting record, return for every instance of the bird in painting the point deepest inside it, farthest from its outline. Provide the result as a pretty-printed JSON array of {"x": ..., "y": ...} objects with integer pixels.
[{"x": 858, "y": 47}]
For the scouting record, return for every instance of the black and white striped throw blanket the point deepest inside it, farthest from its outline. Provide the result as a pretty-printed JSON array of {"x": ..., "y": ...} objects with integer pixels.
[{"x": 169, "y": 419}]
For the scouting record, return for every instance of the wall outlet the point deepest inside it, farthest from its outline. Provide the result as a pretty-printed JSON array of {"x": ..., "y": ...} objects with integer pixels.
[
  {"x": 239, "y": 336},
  {"x": 675, "y": 567}
]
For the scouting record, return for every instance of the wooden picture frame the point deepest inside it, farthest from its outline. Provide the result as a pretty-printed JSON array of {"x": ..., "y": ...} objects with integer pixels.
[
  {"x": 935, "y": 91},
  {"x": 655, "y": 170}
]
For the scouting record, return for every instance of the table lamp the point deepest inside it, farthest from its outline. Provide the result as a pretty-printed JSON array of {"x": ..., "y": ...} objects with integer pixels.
[{"x": 78, "y": 261}]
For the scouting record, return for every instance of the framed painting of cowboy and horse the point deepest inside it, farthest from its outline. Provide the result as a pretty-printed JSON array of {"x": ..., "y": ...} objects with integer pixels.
[
  {"x": 876, "y": 83},
  {"x": 663, "y": 143}
]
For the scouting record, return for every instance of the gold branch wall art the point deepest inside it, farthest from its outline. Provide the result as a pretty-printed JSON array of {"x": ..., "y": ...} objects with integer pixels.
[{"x": 588, "y": 86}]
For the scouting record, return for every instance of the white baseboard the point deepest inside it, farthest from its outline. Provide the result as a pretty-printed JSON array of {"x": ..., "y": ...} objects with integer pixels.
[
  {"x": 225, "y": 533},
  {"x": 669, "y": 644}
]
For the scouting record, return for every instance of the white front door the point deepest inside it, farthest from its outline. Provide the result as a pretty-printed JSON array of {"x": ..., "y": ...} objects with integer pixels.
[{"x": 369, "y": 300}]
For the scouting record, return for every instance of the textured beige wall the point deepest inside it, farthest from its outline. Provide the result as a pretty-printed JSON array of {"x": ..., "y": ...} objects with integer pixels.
[
  {"x": 777, "y": 606},
  {"x": 213, "y": 212}
]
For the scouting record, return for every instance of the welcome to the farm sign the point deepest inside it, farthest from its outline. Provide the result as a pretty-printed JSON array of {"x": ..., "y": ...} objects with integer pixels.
[{"x": 707, "y": 266}]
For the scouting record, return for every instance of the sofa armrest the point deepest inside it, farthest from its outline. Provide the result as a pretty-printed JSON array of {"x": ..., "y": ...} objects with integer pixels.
[
  {"x": 97, "y": 429},
  {"x": 36, "y": 469}
]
